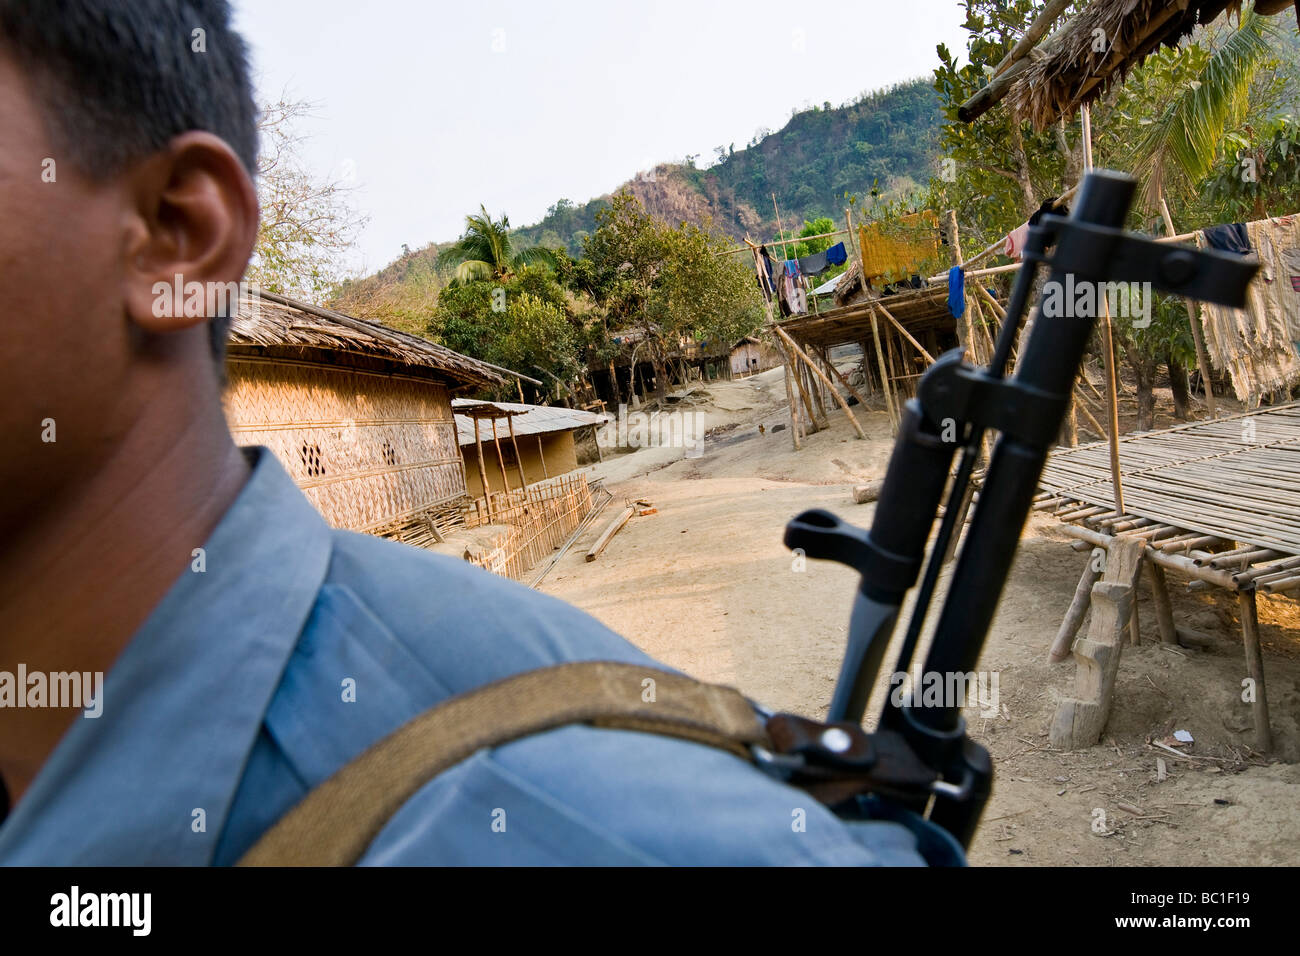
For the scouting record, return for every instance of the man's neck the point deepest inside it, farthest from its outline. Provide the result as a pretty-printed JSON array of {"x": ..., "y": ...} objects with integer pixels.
[{"x": 79, "y": 579}]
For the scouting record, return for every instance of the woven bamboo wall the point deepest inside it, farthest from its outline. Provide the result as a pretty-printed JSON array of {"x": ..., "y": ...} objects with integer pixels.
[{"x": 367, "y": 449}]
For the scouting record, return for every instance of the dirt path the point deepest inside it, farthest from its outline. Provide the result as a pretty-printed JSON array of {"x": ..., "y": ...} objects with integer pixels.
[{"x": 706, "y": 586}]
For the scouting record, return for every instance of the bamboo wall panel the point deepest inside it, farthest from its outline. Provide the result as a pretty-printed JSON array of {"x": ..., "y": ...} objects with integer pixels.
[{"x": 368, "y": 450}]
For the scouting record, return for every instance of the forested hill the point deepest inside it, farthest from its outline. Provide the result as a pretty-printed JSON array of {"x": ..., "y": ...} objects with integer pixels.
[{"x": 886, "y": 140}]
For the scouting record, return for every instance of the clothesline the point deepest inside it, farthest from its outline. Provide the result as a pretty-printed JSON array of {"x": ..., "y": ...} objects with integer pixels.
[{"x": 782, "y": 242}]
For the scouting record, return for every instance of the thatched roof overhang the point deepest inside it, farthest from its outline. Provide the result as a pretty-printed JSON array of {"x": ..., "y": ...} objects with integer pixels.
[{"x": 271, "y": 326}]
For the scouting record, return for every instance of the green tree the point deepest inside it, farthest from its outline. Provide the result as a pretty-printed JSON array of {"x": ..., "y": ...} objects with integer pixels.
[
  {"x": 486, "y": 251},
  {"x": 669, "y": 283},
  {"x": 522, "y": 323}
]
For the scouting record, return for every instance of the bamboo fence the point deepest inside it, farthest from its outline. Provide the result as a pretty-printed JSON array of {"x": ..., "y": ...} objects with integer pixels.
[{"x": 538, "y": 520}]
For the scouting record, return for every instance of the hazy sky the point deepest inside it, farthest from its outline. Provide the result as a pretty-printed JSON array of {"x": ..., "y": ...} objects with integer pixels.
[{"x": 432, "y": 107}]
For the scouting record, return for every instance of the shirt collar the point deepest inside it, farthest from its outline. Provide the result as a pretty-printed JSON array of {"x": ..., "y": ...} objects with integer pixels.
[{"x": 184, "y": 703}]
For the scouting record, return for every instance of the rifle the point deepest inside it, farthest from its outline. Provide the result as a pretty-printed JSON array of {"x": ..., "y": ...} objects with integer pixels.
[{"x": 919, "y": 759}]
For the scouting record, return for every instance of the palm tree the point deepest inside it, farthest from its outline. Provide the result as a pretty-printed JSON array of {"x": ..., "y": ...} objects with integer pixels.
[
  {"x": 1183, "y": 142},
  {"x": 486, "y": 252}
]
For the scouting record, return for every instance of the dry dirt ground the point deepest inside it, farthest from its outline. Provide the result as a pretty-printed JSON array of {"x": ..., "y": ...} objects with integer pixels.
[{"x": 706, "y": 586}]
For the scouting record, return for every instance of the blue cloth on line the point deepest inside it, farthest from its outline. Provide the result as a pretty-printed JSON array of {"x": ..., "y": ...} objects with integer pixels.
[
  {"x": 836, "y": 255},
  {"x": 1229, "y": 237},
  {"x": 956, "y": 292}
]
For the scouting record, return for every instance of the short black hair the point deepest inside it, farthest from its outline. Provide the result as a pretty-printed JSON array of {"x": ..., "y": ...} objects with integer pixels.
[{"x": 118, "y": 79}]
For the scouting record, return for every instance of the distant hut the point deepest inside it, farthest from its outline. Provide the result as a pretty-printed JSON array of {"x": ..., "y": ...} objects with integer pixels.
[
  {"x": 517, "y": 444},
  {"x": 359, "y": 414},
  {"x": 750, "y": 356}
]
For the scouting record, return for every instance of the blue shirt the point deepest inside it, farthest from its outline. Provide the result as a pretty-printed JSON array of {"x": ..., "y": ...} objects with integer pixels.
[{"x": 229, "y": 705}]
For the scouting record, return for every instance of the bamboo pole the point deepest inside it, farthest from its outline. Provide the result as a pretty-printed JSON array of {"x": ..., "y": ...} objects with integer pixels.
[
  {"x": 501, "y": 458},
  {"x": 789, "y": 394},
  {"x": 790, "y": 343},
  {"x": 542, "y": 455},
  {"x": 482, "y": 470},
  {"x": 907, "y": 335},
  {"x": 519, "y": 459},
  {"x": 1108, "y": 336},
  {"x": 1198, "y": 337}
]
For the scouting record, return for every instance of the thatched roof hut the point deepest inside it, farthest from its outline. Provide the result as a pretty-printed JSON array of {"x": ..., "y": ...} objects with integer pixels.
[
  {"x": 1046, "y": 79},
  {"x": 359, "y": 414}
]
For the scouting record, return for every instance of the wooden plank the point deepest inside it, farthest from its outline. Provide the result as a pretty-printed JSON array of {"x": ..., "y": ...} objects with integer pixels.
[{"x": 611, "y": 529}]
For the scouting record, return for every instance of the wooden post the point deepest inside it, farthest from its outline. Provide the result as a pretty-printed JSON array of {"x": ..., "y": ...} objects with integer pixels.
[
  {"x": 1078, "y": 609},
  {"x": 501, "y": 458},
  {"x": 963, "y": 325},
  {"x": 1164, "y": 607},
  {"x": 1112, "y": 407},
  {"x": 787, "y": 367},
  {"x": 798, "y": 381},
  {"x": 1108, "y": 340},
  {"x": 519, "y": 459},
  {"x": 482, "y": 470},
  {"x": 790, "y": 343},
  {"x": 1080, "y": 720},
  {"x": 1255, "y": 669},
  {"x": 542, "y": 455},
  {"x": 1198, "y": 338},
  {"x": 884, "y": 373}
]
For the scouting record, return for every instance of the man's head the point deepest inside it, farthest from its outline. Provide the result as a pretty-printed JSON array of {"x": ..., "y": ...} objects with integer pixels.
[{"x": 129, "y": 136}]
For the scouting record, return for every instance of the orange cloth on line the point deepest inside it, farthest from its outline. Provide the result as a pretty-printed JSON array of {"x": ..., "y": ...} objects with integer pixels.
[{"x": 894, "y": 250}]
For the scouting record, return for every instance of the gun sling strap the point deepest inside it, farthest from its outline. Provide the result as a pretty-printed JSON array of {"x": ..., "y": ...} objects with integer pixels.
[{"x": 335, "y": 823}]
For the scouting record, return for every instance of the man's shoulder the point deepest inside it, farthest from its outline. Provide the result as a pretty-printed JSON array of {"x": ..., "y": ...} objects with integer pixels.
[{"x": 460, "y": 616}]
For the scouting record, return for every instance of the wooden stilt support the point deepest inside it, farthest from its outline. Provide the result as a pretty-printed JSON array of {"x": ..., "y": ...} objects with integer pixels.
[
  {"x": 1255, "y": 669},
  {"x": 501, "y": 458},
  {"x": 1078, "y": 609},
  {"x": 519, "y": 459},
  {"x": 482, "y": 471},
  {"x": 1080, "y": 719},
  {"x": 884, "y": 373},
  {"x": 790, "y": 343},
  {"x": 906, "y": 334},
  {"x": 1160, "y": 600},
  {"x": 788, "y": 366}
]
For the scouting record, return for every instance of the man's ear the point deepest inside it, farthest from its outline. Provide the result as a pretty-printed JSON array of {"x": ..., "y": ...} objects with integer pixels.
[{"x": 193, "y": 215}]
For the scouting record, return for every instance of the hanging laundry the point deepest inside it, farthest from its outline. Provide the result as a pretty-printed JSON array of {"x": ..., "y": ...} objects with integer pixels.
[
  {"x": 956, "y": 292},
  {"x": 814, "y": 265},
  {"x": 791, "y": 268},
  {"x": 1257, "y": 345},
  {"x": 769, "y": 265},
  {"x": 1230, "y": 237},
  {"x": 836, "y": 255},
  {"x": 799, "y": 301},
  {"x": 1016, "y": 239}
]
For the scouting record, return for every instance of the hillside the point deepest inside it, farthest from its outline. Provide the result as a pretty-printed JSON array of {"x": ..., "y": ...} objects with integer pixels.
[{"x": 887, "y": 139}]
